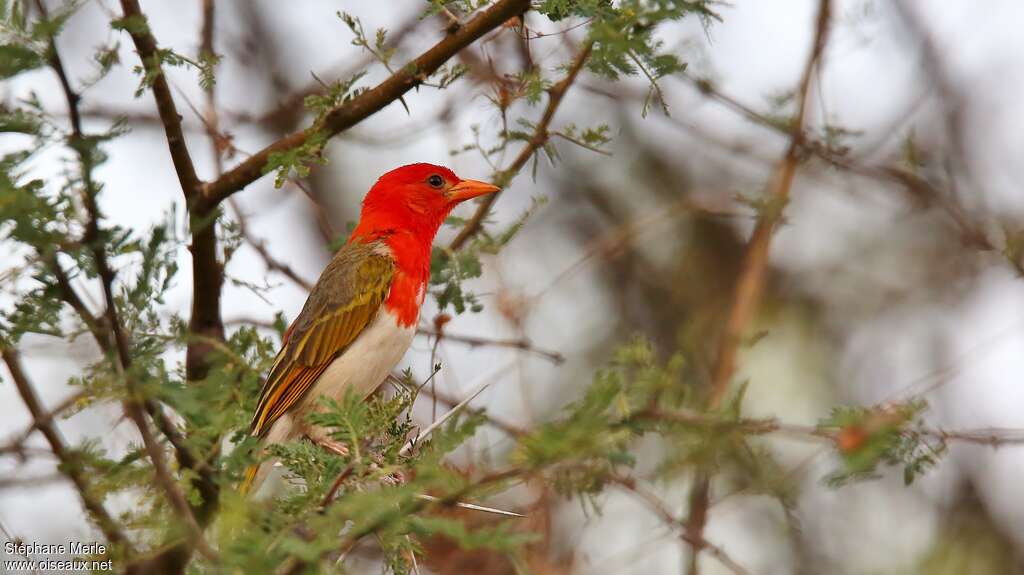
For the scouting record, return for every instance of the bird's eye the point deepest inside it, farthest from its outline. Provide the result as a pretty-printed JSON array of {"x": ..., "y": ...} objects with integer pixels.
[{"x": 435, "y": 181}]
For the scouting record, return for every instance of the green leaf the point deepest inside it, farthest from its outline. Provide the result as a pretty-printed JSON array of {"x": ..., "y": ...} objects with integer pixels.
[
  {"x": 15, "y": 59},
  {"x": 297, "y": 160},
  {"x": 132, "y": 24},
  {"x": 48, "y": 28},
  {"x": 19, "y": 121}
]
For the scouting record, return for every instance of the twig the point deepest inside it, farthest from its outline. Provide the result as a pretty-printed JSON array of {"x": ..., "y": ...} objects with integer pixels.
[
  {"x": 581, "y": 144},
  {"x": 290, "y": 107},
  {"x": 260, "y": 247},
  {"x": 71, "y": 465},
  {"x": 918, "y": 188},
  {"x": 333, "y": 490},
  {"x": 539, "y": 137},
  {"x": 440, "y": 421},
  {"x": 655, "y": 504},
  {"x": 16, "y": 445},
  {"x": 993, "y": 437},
  {"x": 70, "y": 296},
  {"x": 615, "y": 239},
  {"x": 473, "y": 341},
  {"x": 369, "y": 102},
  {"x": 485, "y": 381},
  {"x": 30, "y": 482},
  {"x": 505, "y": 426}
]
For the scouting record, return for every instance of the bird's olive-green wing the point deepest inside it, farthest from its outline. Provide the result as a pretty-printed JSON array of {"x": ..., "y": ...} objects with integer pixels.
[{"x": 341, "y": 304}]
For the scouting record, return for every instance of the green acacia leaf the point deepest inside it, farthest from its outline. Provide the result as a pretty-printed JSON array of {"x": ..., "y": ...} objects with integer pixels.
[
  {"x": 19, "y": 121},
  {"x": 15, "y": 59}
]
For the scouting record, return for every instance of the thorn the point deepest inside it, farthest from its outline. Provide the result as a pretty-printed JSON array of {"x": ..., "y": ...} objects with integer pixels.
[
  {"x": 440, "y": 421},
  {"x": 473, "y": 506}
]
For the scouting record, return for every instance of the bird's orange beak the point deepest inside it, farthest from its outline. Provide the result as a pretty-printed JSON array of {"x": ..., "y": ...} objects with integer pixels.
[{"x": 467, "y": 189}]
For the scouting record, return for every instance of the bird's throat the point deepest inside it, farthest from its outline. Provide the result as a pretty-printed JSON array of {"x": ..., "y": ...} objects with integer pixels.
[{"x": 412, "y": 272}]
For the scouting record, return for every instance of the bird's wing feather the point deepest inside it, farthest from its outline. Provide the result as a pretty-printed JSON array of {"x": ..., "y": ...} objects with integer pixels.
[{"x": 341, "y": 304}]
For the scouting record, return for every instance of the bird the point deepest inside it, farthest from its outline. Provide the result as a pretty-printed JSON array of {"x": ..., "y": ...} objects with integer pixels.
[{"x": 360, "y": 316}]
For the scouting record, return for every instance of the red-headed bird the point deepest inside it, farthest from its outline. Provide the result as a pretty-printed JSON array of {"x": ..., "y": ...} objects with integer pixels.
[{"x": 361, "y": 315}]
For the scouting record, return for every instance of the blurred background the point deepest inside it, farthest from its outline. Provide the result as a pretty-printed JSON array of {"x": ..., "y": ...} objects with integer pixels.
[{"x": 877, "y": 290}]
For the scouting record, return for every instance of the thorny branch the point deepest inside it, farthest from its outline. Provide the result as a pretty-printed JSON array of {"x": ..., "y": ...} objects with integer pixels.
[
  {"x": 538, "y": 139},
  {"x": 369, "y": 102},
  {"x": 752, "y": 271}
]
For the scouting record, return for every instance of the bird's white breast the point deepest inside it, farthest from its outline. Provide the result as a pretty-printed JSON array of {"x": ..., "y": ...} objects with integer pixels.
[{"x": 366, "y": 362}]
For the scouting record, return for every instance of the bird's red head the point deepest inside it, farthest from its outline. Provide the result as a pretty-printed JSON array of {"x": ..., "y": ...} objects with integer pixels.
[
  {"x": 404, "y": 209},
  {"x": 414, "y": 199}
]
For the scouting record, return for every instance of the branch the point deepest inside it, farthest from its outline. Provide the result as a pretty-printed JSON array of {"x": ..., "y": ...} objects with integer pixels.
[
  {"x": 755, "y": 259},
  {"x": 369, "y": 102},
  {"x": 71, "y": 466},
  {"x": 752, "y": 271},
  {"x": 30, "y": 482},
  {"x": 70, "y": 296},
  {"x": 622, "y": 235},
  {"x": 540, "y": 137},
  {"x": 994, "y": 437}
]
